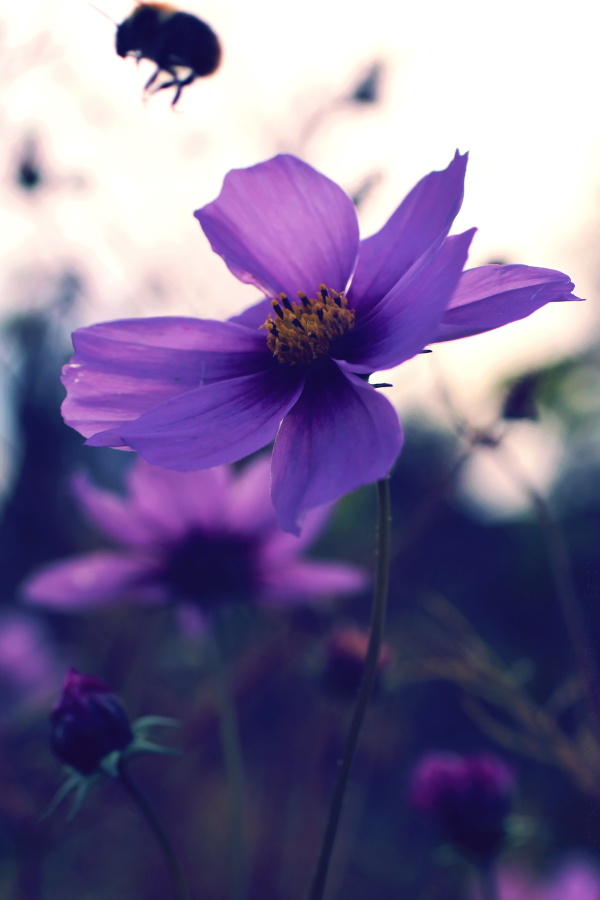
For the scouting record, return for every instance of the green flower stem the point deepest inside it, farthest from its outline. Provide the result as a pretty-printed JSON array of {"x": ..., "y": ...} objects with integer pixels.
[
  {"x": 234, "y": 764},
  {"x": 180, "y": 891},
  {"x": 380, "y": 595},
  {"x": 488, "y": 883}
]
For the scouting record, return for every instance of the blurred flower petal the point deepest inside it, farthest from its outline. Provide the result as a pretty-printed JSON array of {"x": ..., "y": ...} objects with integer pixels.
[{"x": 86, "y": 582}]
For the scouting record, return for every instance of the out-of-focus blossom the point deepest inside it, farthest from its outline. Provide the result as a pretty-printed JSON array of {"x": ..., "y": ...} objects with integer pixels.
[
  {"x": 28, "y": 668},
  {"x": 190, "y": 394},
  {"x": 29, "y": 174},
  {"x": 574, "y": 880},
  {"x": 203, "y": 539},
  {"x": 520, "y": 401},
  {"x": 368, "y": 89},
  {"x": 88, "y": 723},
  {"x": 344, "y": 662},
  {"x": 468, "y": 798}
]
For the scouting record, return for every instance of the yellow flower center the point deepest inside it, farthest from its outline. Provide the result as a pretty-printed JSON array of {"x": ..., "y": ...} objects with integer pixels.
[{"x": 304, "y": 331}]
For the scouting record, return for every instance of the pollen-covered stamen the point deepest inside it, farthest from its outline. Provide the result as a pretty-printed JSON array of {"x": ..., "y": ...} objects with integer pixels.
[{"x": 305, "y": 331}]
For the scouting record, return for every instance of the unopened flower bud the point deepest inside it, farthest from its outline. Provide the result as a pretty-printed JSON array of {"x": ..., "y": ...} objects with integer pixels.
[
  {"x": 346, "y": 652},
  {"x": 468, "y": 798},
  {"x": 88, "y": 723}
]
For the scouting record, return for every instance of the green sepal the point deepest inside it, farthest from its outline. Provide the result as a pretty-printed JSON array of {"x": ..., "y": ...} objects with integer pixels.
[
  {"x": 145, "y": 722},
  {"x": 142, "y": 745},
  {"x": 109, "y": 765},
  {"x": 80, "y": 784}
]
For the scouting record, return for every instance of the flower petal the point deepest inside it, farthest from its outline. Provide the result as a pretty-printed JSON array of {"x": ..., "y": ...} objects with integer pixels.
[
  {"x": 215, "y": 424},
  {"x": 309, "y": 581},
  {"x": 284, "y": 227},
  {"x": 282, "y": 545},
  {"x": 420, "y": 223},
  {"x": 121, "y": 369},
  {"x": 491, "y": 296},
  {"x": 340, "y": 435},
  {"x": 254, "y": 316},
  {"x": 112, "y": 514},
  {"x": 408, "y": 317},
  {"x": 250, "y": 508},
  {"x": 175, "y": 503},
  {"x": 91, "y": 581}
]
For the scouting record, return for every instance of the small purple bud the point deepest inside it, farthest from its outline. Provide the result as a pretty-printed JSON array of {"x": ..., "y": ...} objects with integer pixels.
[
  {"x": 345, "y": 661},
  {"x": 88, "y": 723},
  {"x": 467, "y": 797}
]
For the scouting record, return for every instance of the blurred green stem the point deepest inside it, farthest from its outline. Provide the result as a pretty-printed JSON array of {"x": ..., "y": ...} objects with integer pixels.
[
  {"x": 234, "y": 765},
  {"x": 380, "y": 595},
  {"x": 488, "y": 882},
  {"x": 180, "y": 891}
]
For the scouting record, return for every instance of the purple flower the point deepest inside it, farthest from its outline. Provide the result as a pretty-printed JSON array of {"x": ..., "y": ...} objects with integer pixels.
[
  {"x": 88, "y": 723},
  {"x": 468, "y": 798},
  {"x": 573, "y": 880},
  {"x": 202, "y": 538},
  {"x": 190, "y": 393}
]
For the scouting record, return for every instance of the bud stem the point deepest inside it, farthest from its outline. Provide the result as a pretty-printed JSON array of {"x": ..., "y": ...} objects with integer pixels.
[
  {"x": 378, "y": 611},
  {"x": 180, "y": 891}
]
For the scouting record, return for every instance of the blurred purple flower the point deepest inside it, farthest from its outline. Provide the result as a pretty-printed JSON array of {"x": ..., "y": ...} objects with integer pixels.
[
  {"x": 573, "y": 880},
  {"x": 190, "y": 393},
  {"x": 87, "y": 723},
  {"x": 468, "y": 798},
  {"x": 202, "y": 538},
  {"x": 28, "y": 667}
]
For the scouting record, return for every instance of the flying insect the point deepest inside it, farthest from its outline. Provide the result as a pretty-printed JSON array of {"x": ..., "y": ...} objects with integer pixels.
[{"x": 182, "y": 45}]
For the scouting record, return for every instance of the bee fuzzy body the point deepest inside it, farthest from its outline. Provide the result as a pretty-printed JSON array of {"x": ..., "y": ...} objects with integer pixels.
[{"x": 182, "y": 45}]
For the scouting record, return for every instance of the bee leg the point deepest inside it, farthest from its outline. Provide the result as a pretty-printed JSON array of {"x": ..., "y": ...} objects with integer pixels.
[
  {"x": 178, "y": 84},
  {"x": 164, "y": 84},
  {"x": 178, "y": 91},
  {"x": 152, "y": 79}
]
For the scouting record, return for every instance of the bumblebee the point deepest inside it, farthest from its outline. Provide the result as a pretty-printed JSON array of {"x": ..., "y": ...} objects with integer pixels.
[{"x": 181, "y": 45}]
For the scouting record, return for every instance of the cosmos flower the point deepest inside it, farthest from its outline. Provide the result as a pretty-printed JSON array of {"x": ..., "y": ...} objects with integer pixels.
[
  {"x": 190, "y": 393},
  {"x": 575, "y": 879},
  {"x": 199, "y": 539},
  {"x": 468, "y": 799}
]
